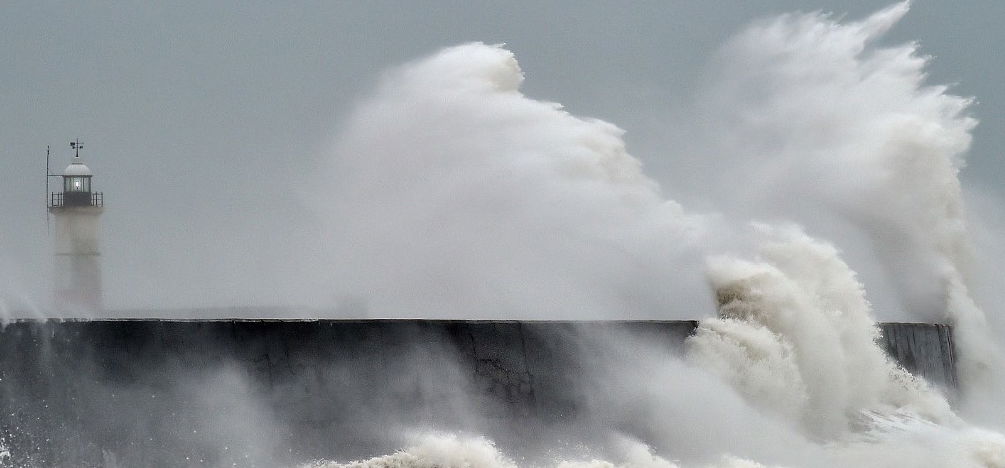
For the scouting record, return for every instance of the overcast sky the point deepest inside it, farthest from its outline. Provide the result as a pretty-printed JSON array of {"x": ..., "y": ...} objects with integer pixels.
[{"x": 203, "y": 120}]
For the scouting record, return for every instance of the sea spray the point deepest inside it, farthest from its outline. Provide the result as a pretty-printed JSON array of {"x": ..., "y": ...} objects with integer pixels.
[
  {"x": 834, "y": 129},
  {"x": 795, "y": 334},
  {"x": 452, "y": 451},
  {"x": 459, "y": 196},
  {"x": 436, "y": 451},
  {"x": 910, "y": 443}
]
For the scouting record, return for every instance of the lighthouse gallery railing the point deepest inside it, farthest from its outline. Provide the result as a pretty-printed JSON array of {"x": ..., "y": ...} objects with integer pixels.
[{"x": 56, "y": 200}]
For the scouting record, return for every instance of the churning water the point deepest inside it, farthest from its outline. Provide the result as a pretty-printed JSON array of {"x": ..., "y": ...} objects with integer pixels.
[{"x": 459, "y": 193}]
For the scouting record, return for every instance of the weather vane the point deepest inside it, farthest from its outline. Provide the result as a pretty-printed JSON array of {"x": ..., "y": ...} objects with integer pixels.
[{"x": 77, "y": 146}]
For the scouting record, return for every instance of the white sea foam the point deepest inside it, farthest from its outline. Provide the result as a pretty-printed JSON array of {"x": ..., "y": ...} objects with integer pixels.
[{"x": 451, "y": 451}]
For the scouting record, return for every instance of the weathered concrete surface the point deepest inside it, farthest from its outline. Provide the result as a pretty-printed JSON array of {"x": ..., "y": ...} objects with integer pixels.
[
  {"x": 262, "y": 393},
  {"x": 925, "y": 350}
]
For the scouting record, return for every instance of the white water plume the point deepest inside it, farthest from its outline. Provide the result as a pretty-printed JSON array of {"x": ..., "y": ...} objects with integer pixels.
[
  {"x": 458, "y": 196},
  {"x": 796, "y": 335},
  {"x": 835, "y": 129},
  {"x": 823, "y": 120}
]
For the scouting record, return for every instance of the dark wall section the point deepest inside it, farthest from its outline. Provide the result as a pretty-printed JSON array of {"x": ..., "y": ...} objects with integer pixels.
[
  {"x": 270, "y": 393},
  {"x": 924, "y": 349}
]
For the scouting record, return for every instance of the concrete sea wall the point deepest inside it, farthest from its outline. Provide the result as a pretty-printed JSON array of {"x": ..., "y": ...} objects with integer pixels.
[
  {"x": 264, "y": 393},
  {"x": 924, "y": 349}
]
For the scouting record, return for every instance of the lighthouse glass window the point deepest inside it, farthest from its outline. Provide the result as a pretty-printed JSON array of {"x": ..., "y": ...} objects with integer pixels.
[{"x": 77, "y": 184}]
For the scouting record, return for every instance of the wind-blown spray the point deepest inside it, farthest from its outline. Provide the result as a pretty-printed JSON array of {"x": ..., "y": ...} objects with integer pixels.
[
  {"x": 457, "y": 195},
  {"x": 796, "y": 335},
  {"x": 837, "y": 129}
]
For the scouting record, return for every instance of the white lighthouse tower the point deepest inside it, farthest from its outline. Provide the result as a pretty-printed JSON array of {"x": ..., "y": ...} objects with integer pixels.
[{"x": 77, "y": 276}]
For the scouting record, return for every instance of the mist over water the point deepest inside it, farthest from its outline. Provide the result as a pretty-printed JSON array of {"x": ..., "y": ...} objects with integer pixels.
[{"x": 459, "y": 196}]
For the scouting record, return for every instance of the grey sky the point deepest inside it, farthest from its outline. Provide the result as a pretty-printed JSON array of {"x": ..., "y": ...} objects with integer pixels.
[{"x": 201, "y": 120}]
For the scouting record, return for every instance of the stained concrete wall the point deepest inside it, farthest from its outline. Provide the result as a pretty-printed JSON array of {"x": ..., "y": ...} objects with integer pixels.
[
  {"x": 264, "y": 393},
  {"x": 924, "y": 349}
]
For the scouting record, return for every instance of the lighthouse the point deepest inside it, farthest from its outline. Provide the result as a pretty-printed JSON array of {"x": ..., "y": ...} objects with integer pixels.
[{"x": 76, "y": 209}]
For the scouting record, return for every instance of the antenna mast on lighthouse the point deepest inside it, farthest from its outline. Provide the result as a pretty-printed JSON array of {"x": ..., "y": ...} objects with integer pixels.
[{"x": 48, "y": 174}]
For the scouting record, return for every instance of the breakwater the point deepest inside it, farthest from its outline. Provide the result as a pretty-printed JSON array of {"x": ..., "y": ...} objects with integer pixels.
[{"x": 261, "y": 392}]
